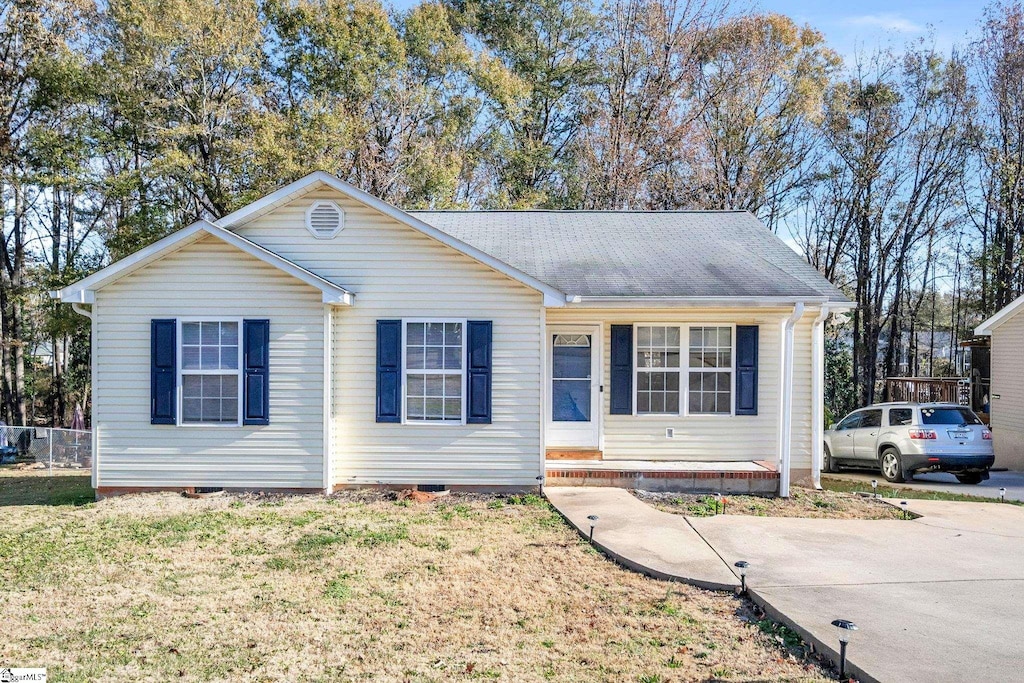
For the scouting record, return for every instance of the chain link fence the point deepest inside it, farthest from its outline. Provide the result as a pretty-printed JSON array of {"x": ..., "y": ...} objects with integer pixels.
[{"x": 46, "y": 447}]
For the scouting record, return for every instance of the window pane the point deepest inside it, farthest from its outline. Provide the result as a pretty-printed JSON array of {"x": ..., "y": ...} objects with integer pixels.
[
  {"x": 435, "y": 333},
  {"x": 228, "y": 357},
  {"x": 434, "y": 358},
  {"x": 643, "y": 403},
  {"x": 209, "y": 398},
  {"x": 210, "y": 333},
  {"x": 452, "y": 408},
  {"x": 414, "y": 408},
  {"x": 414, "y": 333},
  {"x": 191, "y": 409},
  {"x": 414, "y": 358},
  {"x": 453, "y": 385},
  {"x": 453, "y": 358},
  {"x": 209, "y": 357},
  {"x": 190, "y": 333},
  {"x": 710, "y": 392},
  {"x": 570, "y": 400},
  {"x": 453, "y": 334}
]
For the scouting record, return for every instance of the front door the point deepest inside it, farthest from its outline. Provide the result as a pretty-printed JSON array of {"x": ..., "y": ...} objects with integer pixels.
[{"x": 574, "y": 407}]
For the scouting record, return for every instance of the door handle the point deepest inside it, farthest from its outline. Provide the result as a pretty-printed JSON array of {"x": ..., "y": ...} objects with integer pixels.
[{"x": 874, "y": 433}]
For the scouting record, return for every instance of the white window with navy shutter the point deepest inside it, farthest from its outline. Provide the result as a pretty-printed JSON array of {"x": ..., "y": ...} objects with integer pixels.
[
  {"x": 208, "y": 372},
  {"x": 434, "y": 371}
]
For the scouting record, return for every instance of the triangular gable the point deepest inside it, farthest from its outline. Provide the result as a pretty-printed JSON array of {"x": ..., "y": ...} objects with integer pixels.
[
  {"x": 84, "y": 290},
  {"x": 552, "y": 296},
  {"x": 1011, "y": 309}
]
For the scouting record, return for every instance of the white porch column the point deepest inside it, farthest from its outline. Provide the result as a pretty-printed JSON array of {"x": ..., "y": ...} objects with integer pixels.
[
  {"x": 786, "y": 399},
  {"x": 818, "y": 395}
]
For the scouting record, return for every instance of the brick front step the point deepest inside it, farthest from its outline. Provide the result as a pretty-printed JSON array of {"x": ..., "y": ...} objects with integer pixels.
[{"x": 704, "y": 481}]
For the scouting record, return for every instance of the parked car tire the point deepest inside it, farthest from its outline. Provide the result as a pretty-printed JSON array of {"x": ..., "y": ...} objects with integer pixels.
[
  {"x": 891, "y": 464},
  {"x": 829, "y": 465},
  {"x": 969, "y": 478}
]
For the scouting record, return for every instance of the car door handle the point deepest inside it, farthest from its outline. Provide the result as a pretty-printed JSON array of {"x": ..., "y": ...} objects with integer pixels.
[{"x": 874, "y": 433}]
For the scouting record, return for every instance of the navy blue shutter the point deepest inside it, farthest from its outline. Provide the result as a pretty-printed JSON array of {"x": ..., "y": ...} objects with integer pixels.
[
  {"x": 163, "y": 372},
  {"x": 256, "y": 365},
  {"x": 479, "y": 372},
  {"x": 389, "y": 370},
  {"x": 622, "y": 370},
  {"x": 746, "y": 369}
]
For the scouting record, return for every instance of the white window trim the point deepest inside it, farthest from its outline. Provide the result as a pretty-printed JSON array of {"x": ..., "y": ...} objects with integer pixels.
[
  {"x": 180, "y": 420},
  {"x": 684, "y": 370},
  {"x": 462, "y": 373},
  {"x": 637, "y": 370}
]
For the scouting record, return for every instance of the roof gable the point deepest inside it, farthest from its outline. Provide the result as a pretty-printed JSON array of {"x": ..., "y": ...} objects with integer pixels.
[
  {"x": 289, "y": 193},
  {"x": 1005, "y": 314},
  {"x": 84, "y": 290}
]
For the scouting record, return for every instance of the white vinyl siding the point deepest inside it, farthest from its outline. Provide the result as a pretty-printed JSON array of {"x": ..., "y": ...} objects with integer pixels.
[
  {"x": 212, "y": 280},
  {"x": 398, "y": 273},
  {"x": 1007, "y": 411},
  {"x": 709, "y": 437}
]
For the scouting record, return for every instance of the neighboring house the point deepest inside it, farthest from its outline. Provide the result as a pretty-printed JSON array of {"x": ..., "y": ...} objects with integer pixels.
[
  {"x": 321, "y": 338},
  {"x": 1006, "y": 400}
]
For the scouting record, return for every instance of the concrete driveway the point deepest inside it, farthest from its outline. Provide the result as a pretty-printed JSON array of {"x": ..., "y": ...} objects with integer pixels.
[
  {"x": 1013, "y": 482},
  {"x": 939, "y": 598}
]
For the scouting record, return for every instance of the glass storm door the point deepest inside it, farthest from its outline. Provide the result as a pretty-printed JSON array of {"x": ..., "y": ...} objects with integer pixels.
[{"x": 574, "y": 400}]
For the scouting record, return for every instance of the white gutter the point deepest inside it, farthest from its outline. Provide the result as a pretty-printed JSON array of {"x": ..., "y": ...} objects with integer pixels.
[
  {"x": 691, "y": 301},
  {"x": 786, "y": 402},
  {"x": 77, "y": 308},
  {"x": 818, "y": 395}
]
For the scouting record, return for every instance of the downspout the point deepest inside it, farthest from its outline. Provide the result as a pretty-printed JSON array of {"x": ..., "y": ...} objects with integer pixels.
[
  {"x": 786, "y": 403},
  {"x": 89, "y": 313},
  {"x": 818, "y": 395}
]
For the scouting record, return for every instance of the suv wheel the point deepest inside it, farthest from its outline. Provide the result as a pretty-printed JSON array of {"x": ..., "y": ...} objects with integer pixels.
[
  {"x": 969, "y": 478},
  {"x": 891, "y": 465},
  {"x": 830, "y": 464}
]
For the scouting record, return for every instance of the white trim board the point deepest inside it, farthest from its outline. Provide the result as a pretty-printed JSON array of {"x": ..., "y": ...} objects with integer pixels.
[
  {"x": 1007, "y": 312},
  {"x": 302, "y": 186},
  {"x": 84, "y": 291}
]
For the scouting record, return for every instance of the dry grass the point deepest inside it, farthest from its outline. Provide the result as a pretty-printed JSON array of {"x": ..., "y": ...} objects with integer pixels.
[
  {"x": 801, "y": 503},
  {"x": 354, "y": 586}
]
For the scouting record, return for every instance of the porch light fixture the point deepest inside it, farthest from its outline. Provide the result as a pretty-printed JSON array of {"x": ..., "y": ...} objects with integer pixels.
[
  {"x": 742, "y": 565},
  {"x": 846, "y": 629},
  {"x": 1002, "y": 494},
  {"x": 593, "y": 523}
]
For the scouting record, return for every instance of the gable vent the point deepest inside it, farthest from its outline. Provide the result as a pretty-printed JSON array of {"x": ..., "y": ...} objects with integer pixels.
[{"x": 324, "y": 219}]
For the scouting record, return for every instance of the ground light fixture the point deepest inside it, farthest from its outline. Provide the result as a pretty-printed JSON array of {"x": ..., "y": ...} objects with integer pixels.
[
  {"x": 846, "y": 629},
  {"x": 593, "y": 523},
  {"x": 743, "y": 566},
  {"x": 903, "y": 504},
  {"x": 1002, "y": 494},
  {"x": 874, "y": 487}
]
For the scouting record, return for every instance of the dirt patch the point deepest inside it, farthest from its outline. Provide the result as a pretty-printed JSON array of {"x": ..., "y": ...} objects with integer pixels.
[
  {"x": 801, "y": 503},
  {"x": 355, "y": 585}
]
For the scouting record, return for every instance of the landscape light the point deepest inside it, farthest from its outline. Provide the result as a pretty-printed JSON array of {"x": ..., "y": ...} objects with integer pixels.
[
  {"x": 718, "y": 499},
  {"x": 874, "y": 487},
  {"x": 743, "y": 565},
  {"x": 903, "y": 504},
  {"x": 593, "y": 522},
  {"x": 846, "y": 629},
  {"x": 1002, "y": 494}
]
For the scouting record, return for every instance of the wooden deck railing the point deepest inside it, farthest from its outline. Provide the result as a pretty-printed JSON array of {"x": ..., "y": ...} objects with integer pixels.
[{"x": 929, "y": 389}]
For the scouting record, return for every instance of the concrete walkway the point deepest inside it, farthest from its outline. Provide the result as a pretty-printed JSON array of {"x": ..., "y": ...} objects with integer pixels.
[
  {"x": 940, "y": 598},
  {"x": 1013, "y": 482}
]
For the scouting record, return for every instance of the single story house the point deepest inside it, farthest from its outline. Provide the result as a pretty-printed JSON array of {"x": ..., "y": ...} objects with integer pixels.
[
  {"x": 1006, "y": 393},
  {"x": 321, "y": 338}
]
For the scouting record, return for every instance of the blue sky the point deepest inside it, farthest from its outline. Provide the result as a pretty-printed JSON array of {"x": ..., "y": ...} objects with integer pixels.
[{"x": 852, "y": 25}]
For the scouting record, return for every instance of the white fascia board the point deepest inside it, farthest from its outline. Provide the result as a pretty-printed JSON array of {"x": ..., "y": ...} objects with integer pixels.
[
  {"x": 985, "y": 329},
  {"x": 84, "y": 290},
  {"x": 552, "y": 296},
  {"x": 703, "y": 302}
]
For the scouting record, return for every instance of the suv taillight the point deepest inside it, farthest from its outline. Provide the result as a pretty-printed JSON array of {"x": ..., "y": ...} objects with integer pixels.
[
  {"x": 986, "y": 435},
  {"x": 927, "y": 434}
]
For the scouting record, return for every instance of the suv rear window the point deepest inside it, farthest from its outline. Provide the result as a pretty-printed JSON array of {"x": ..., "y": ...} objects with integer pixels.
[{"x": 948, "y": 416}]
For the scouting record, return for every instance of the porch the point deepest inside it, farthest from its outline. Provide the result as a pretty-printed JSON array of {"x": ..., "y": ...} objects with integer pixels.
[{"x": 758, "y": 477}]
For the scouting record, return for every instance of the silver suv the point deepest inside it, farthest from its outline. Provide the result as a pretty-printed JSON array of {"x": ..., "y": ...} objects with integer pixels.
[{"x": 902, "y": 439}]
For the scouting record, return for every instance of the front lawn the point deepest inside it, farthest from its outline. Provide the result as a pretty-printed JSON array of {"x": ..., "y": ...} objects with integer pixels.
[{"x": 352, "y": 586}]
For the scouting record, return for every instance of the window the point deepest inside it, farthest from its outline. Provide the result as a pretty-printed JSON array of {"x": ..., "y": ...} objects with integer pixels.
[
  {"x": 657, "y": 370},
  {"x": 899, "y": 417},
  {"x": 851, "y": 421},
  {"x": 871, "y": 418},
  {"x": 434, "y": 386},
  {"x": 949, "y": 416},
  {"x": 210, "y": 372},
  {"x": 710, "y": 371}
]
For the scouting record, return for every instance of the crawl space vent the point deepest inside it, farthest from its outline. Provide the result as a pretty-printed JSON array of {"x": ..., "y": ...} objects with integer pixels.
[{"x": 324, "y": 219}]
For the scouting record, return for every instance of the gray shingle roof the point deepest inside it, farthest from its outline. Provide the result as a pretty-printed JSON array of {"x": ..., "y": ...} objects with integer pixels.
[{"x": 640, "y": 253}]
